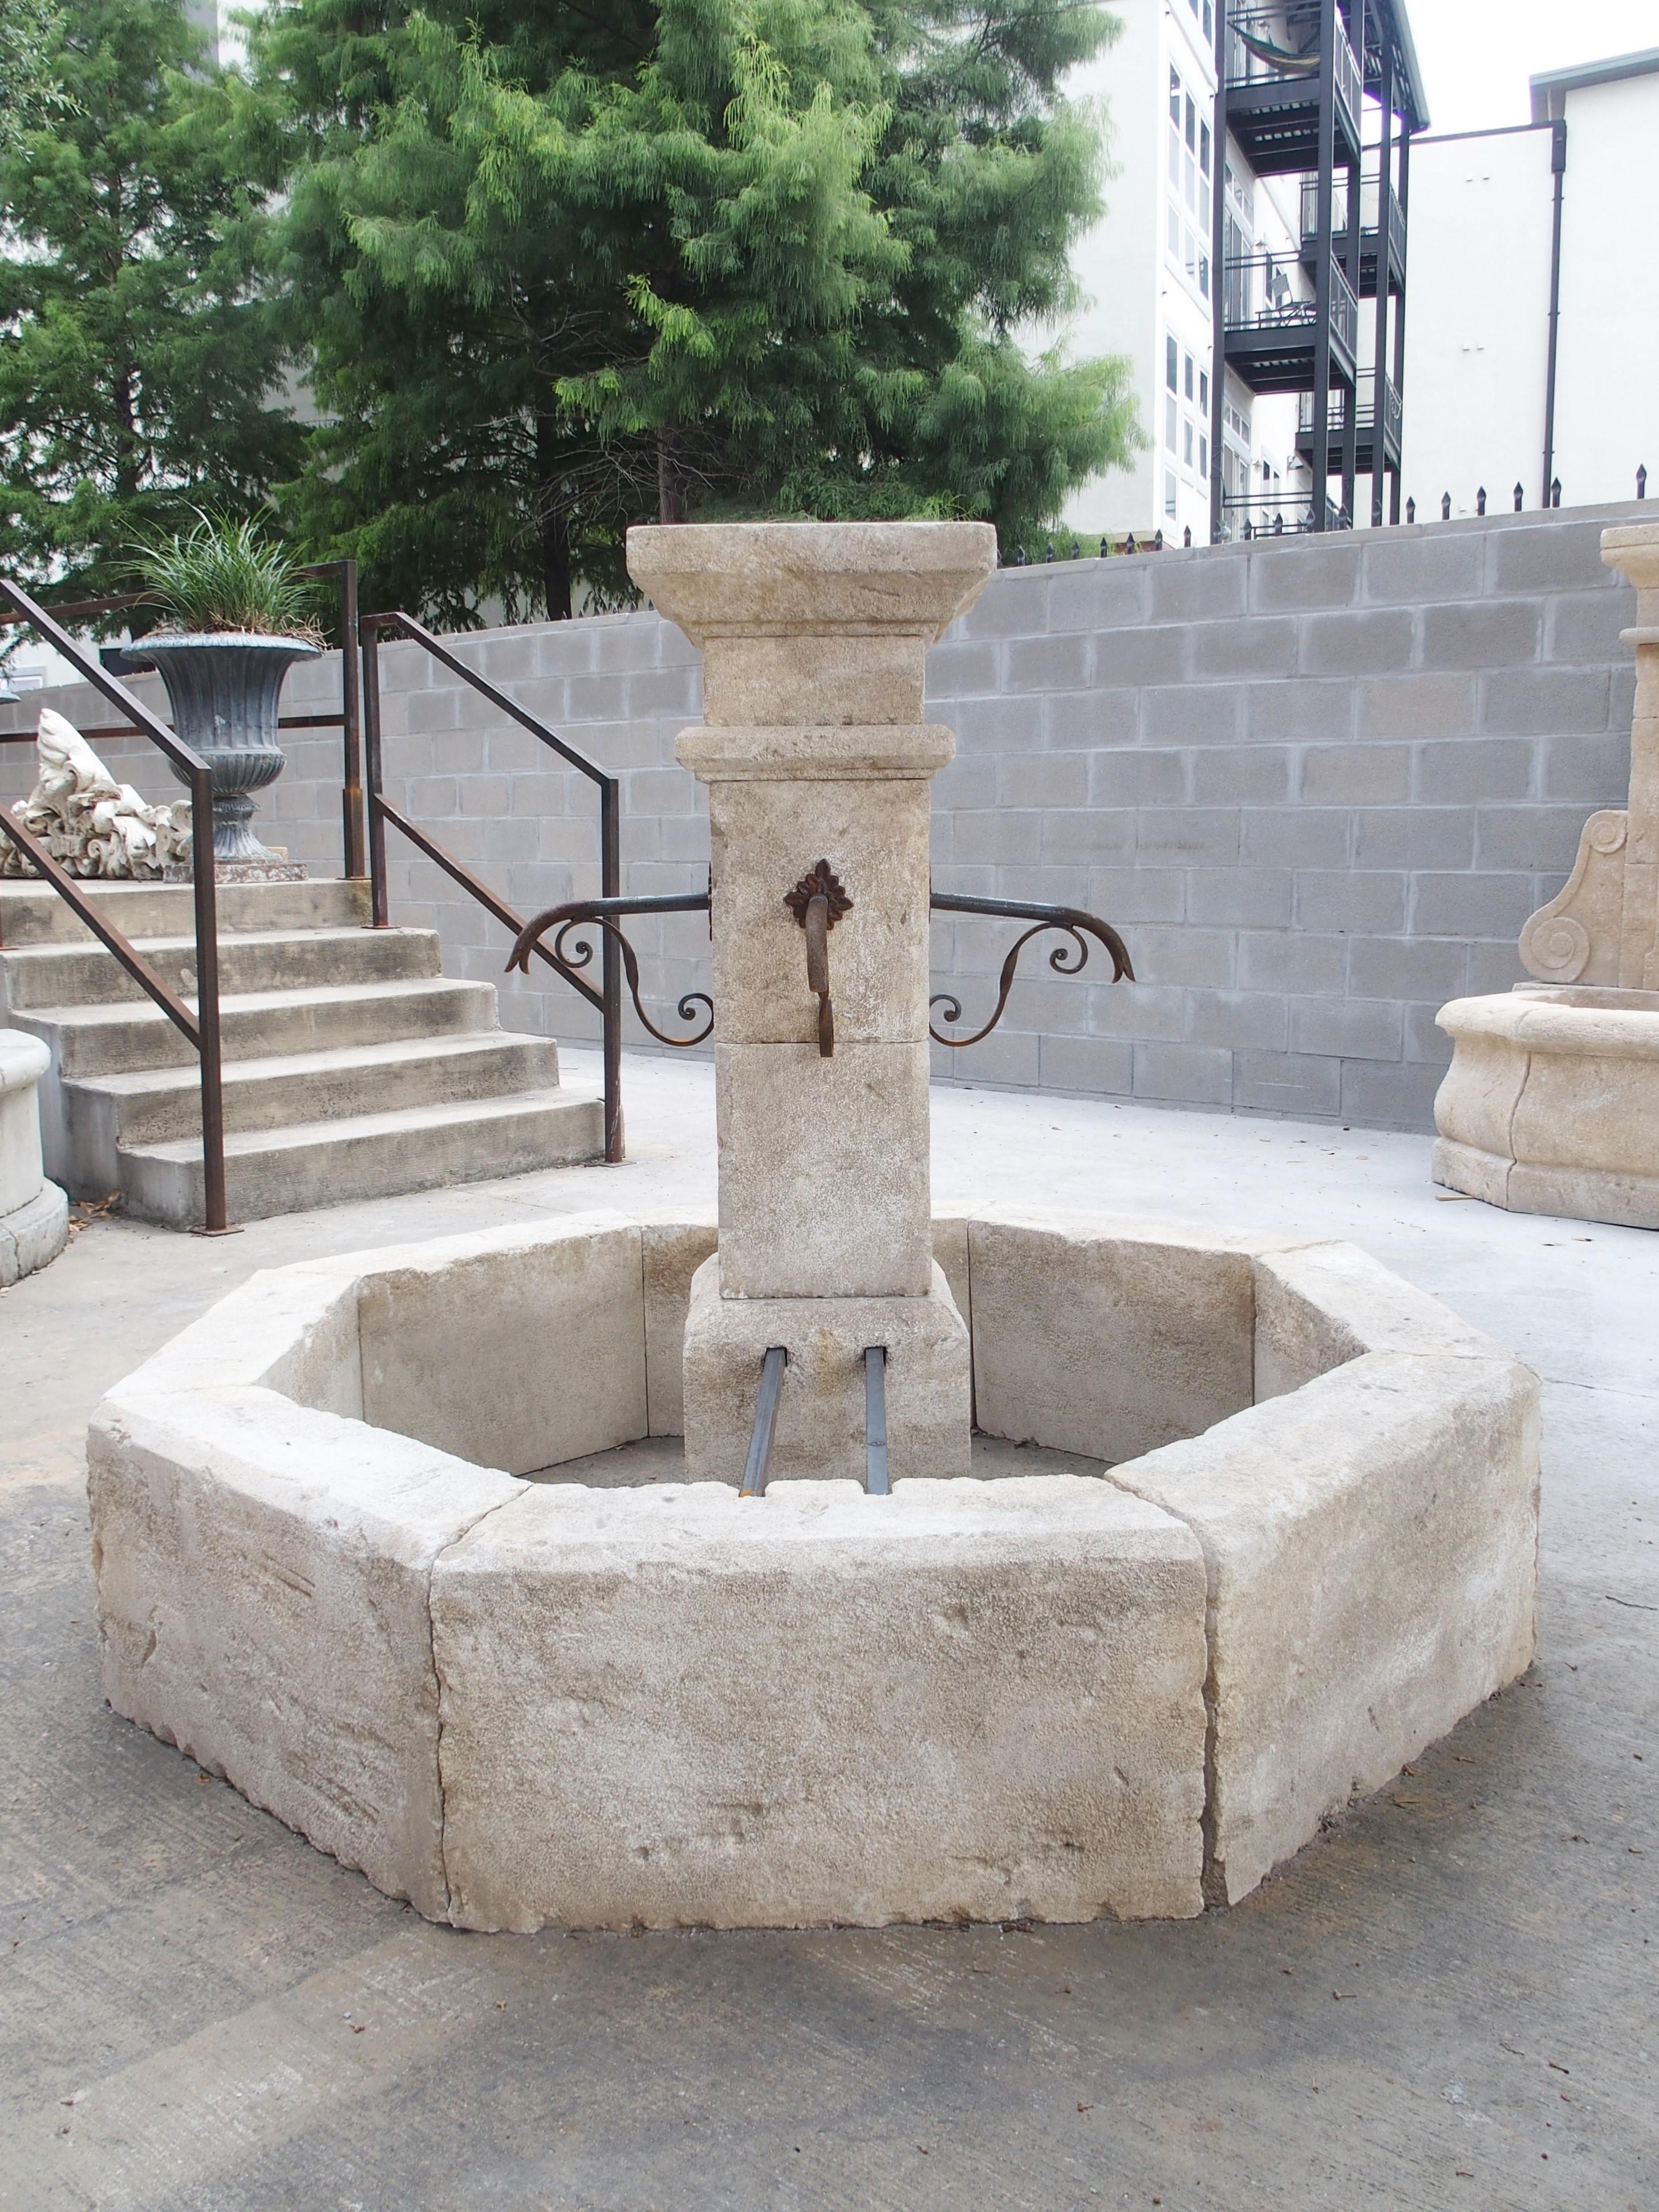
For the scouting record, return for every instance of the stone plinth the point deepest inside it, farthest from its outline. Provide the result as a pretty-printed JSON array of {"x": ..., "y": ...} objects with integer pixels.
[
  {"x": 1551, "y": 1101},
  {"x": 814, "y": 636},
  {"x": 34, "y": 1212}
]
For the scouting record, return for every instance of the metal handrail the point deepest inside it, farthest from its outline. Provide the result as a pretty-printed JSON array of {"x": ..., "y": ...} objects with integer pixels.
[
  {"x": 1284, "y": 311},
  {"x": 1254, "y": 58},
  {"x": 608, "y": 998},
  {"x": 1373, "y": 190},
  {"x": 202, "y": 1030},
  {"x": 1365, "y": 411}
]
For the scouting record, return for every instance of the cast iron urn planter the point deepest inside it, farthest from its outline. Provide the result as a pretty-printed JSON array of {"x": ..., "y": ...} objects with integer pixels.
[{"x": 224, "y": 687}]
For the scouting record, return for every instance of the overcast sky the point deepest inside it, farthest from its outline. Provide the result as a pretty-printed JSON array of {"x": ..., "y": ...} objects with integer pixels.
[{"x": 1477, "y": 55}]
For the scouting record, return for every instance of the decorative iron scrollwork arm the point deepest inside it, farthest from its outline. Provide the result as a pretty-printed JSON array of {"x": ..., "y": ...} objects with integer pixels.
[
  {"x": 1066, "y": 960},
  {"x": 605, "y": 915}
]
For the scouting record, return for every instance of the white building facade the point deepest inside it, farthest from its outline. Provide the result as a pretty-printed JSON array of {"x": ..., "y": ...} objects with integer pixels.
[
  {"x": 1509, "y": 225},
  {"x": 1198, "y": 239}
]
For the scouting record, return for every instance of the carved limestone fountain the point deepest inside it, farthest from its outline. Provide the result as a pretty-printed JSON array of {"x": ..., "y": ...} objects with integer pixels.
[
  {"x": 371, "y": 1543},
  {"x": 1551, "y": 1104}
]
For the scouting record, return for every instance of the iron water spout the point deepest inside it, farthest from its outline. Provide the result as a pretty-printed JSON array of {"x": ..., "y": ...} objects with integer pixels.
[{"x": 818, "y": 902}]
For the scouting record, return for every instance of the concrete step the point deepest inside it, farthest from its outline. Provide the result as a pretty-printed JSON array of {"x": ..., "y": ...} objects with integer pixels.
[
  {"x": 150, "y": 1106},
  {"x": 259, "y": 1024},
  {"x": 33, "y": 914},
  {"x": 313, "y": 1164},
  {"x": 272, "y": 960}
]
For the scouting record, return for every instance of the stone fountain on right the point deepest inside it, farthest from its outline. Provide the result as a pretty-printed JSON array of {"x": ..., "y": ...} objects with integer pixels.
[{"x": 1551, "y": 1104}]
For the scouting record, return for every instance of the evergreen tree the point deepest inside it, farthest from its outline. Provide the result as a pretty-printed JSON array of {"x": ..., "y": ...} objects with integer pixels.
[
  {"x": 29, "y": 90},
  {"x": 136, "y": 363},
  {"x": 576, "y": 266}
]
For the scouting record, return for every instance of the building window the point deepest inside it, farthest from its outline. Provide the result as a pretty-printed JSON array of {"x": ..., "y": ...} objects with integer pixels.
[
  {"x": 1189, "y": 376},
  {"x": 1209, "y": 20},
  {"x": 1192, "y": 125},
  {"x": 1204, "y": 149},
  {"x": 1204, "y": 274},
  {"x": 1169, "y": 491},
  {"x": 1204, "y": 456},
  {"x": 1187, "y": 445},
  {"x": 1203, "y": 388},
  {"x": 1171, "y": 354},
  {"x": 1169, "y": 425},
  {"x": 1175, "y": 99}
]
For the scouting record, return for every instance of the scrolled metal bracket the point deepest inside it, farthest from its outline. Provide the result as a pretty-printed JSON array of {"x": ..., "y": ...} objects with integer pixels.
[
  {"x": 818, "y": 902},
  {"x": 605, "y": 915},
  {"x": 1067, "y": 959}
]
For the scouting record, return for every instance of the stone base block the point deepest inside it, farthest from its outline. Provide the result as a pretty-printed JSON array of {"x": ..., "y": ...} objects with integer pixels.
[
  {"x": 1551, "y": 1104},
  {"x": 821, "y": 1417},
  {"x": 674, "y": 1707},
  {"x": 32, "y": 1233},
  {"x": 278, "y": 869}
]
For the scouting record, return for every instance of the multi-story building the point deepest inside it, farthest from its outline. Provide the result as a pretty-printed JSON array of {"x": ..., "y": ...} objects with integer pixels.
[
  {"x": 1252, "y": 262},
  {"x": 1533, "y": 342}
]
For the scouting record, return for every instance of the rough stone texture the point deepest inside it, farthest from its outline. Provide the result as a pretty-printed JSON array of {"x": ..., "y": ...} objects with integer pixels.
[
  {"x": 842, "y": 1143},
  {"x": 34, "y": 1213},
  {"x": 823, "y": 1142},
  {"x": 671, "y": 1255},
  {"x": 1105, "y": 1338},
  {"x": 1001, "y": 1716},
  {"x": 1319, "y": 1305},
  {"x": 821, "y": 1431},
  {"x": 1371, "y": 1544},
  {"x": 263, "y": 1603},
  {"x": 517, "y": 1350},
  {"x": 1552, "y": 1101},
  {"x": 1079, "y": 717},
  {"x": 1368, "y": 1537},
  {"x": 875, "y": 836},
  {"x": 833, "y": 615}
]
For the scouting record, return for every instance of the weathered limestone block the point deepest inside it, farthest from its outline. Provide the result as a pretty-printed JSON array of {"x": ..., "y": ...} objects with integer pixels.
[
  {"x": 675, "y": 1707},
  {"x": 877, "y": 951},
  {"x": 288, "y": 1329},
  {"x": 671, "y": 1252},
  {"x": 821, "y": 1414},
  {"x": 823, "y": 1170},
  {"x": 1318, "y": 1305},
  {"x": 820, "y": 621},
  {"x": 1552, "y": 1100},
  {"x": 262, "y": 1600},
  {"x": 34, "y": 1212},
  {"x": 560, "y": 1306},
  {"x": 1107, "y": 1339},
  {"x": 1371, "y": 1547}
]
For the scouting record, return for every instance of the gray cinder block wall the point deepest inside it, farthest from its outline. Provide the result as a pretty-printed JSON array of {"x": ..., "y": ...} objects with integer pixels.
[{"x": 1319, "y": 784}]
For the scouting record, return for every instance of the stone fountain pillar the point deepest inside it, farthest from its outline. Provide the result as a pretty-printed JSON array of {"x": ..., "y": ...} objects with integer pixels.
[
  {"x": 814, "y": 751},
  {"x": 1551, "y": 1104}
]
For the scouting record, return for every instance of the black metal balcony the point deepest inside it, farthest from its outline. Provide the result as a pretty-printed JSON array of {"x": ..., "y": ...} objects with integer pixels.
[
  {"x": 1271, "y": 334},
  {"x": 1364, "y": 427},
  {"x": 1276, "y": 514},
  {"x": 1372, "y": 231},
  {"x": 1272, "y": 87}
]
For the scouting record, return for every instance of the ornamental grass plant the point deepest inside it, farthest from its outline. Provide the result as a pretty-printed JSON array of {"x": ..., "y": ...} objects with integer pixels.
[{"x": 227, "y": 574}]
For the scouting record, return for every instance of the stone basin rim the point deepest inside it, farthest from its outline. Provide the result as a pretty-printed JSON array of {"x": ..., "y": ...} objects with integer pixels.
[{"x": 439, "y": 1729}]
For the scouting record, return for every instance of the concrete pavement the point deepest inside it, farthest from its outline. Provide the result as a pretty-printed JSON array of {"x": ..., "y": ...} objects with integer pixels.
[{"x": 1452, "y": 1999}]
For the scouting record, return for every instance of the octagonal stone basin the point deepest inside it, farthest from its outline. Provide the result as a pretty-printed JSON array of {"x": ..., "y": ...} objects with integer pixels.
[{"x": 322, "y": 1573}]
